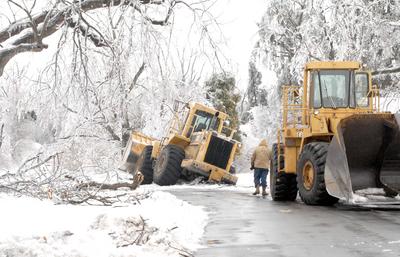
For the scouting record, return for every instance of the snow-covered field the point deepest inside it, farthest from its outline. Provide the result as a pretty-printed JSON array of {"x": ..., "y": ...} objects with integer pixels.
[{"x": 160, "y": 225}]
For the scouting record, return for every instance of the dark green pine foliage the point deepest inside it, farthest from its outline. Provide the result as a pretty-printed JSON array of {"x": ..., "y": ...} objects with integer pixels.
[{"x": 222, "y": 93}]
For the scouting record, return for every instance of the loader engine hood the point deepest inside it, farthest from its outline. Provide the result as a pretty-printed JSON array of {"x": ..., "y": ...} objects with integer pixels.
[{"x": 365, "y": 153}]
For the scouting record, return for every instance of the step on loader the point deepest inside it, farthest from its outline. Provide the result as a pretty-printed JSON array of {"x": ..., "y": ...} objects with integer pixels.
[
  {"x": 334, "y": 139},
  {"x": 194, "y": 146}
]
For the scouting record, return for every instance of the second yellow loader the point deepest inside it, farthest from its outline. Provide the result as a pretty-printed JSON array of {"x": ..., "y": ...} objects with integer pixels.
[{"x": 334, "y": 139}]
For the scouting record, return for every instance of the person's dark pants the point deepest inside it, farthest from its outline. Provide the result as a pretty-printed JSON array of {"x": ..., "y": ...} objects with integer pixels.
[{"x": 260, "y": 177}]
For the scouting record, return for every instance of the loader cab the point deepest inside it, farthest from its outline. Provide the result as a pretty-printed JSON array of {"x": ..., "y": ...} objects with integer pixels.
[
  {"x": 204, "y": 121},
  {"x": 202, "y": 118},
  {"x": 340, "y": 89}
]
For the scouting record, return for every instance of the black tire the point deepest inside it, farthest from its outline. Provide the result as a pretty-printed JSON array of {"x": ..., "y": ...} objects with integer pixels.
[
  {"x": 232, "y": 170},
  {"x": 283, "y": 186},
  {"x": 315, "y": 154},
  {"x": 389, "y": 192},
  {"x": 291, "y": 182},
  {"x": 145, "y": 164},
  {"x": 167, "y": 169}
]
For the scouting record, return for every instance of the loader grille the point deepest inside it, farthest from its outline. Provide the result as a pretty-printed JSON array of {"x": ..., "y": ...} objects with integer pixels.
[{"x": 218, "y": 152}]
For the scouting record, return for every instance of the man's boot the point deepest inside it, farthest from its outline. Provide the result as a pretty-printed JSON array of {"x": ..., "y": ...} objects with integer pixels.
[
  {"x": 257, "y": 190},
  {"x": 264, "y": 193}
]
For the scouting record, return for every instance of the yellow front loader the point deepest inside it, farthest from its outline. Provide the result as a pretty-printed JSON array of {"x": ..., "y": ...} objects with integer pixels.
[
  {"x": 194, "y": 146},
  {"x": 334, "y": 139}
]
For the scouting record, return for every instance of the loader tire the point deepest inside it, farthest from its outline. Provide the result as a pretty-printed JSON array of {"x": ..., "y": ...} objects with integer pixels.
[
  {"x": 310, "y": 175},
  {"x": 283, "y": 186},
  {"x": 167, "y": 169},
  {"x": 389, "y": 192},
  {"x": 232, "y": 170},
  {"x": 145, "y": 165}
]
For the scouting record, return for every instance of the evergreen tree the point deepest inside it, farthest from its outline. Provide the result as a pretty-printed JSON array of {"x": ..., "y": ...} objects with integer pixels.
[{"x": 222, "y": 93}]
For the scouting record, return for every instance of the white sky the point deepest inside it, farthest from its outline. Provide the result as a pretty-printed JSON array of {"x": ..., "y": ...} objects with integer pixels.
[{"x": 239, "y": 20}]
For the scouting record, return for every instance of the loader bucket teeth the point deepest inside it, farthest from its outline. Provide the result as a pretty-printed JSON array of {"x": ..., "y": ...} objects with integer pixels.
[{"x": 365, "y": 153}]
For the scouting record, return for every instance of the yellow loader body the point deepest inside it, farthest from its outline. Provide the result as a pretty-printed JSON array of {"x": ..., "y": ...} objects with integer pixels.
[
  {"x": 194, "y": 146},
  {"x": 334, "y": 139}
]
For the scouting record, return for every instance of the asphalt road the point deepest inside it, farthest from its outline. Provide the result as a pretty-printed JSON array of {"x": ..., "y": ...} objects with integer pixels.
[{"x": 244, "y": 225}]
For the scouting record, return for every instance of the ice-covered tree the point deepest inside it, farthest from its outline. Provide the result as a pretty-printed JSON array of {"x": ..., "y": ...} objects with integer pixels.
[
  {"x": 99, "y": 70},
  {"x": 294, "y": 32}
]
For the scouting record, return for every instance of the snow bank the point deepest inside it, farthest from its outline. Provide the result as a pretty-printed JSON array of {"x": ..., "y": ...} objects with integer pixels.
[
  {"x": 30, "y": 227},
  {"x": 243, "y": 185}
]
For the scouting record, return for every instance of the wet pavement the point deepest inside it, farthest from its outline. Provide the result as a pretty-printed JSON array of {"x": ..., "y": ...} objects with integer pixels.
[{"x": 244, "y": 225}]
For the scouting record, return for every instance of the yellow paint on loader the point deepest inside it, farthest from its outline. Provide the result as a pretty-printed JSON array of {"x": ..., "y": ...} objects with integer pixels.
[
  {"x": 193, "y": 146},
  {"x": 334, "y": 139}
]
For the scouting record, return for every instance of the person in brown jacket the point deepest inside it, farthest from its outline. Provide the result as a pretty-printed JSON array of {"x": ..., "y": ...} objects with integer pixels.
[{"x": 260, "y": 164}]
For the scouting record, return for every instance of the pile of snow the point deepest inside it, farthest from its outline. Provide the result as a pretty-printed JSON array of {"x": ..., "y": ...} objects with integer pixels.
[
  {"x": 244, "y": 184},
  {"x": 30, "y": 227},
  {"x": 372, "y": 194}
]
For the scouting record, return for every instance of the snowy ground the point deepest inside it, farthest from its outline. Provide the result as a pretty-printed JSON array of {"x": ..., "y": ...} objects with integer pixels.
[
  {"x": 159, "y": 225},
  {"x": 244, "y": 184},
  {"x": 30, "y": 227}
]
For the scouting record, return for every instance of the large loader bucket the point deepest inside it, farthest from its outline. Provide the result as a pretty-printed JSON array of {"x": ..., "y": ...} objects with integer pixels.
[
  {"x": 133, "y": 149},
  {"x": 365, "y": 153}
]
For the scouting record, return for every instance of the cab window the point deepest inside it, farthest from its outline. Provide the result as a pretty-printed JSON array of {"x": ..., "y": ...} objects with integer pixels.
[
  {"x": 334, "y": 86},
  {"x": 361, "y": 89},
  {"x": 203, "y": 121},
  {"x": 317, "y": 91}
]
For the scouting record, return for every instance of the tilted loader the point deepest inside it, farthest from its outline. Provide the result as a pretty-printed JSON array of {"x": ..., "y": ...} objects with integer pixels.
[
  {"x": 194, "y": 146},
  {"x": 334, "y": 139}
]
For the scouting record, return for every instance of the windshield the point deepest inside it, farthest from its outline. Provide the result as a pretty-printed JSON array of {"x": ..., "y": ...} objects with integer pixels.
[
  {"x": 331, "y": 88},
  {"x": 204, "y": 121}
]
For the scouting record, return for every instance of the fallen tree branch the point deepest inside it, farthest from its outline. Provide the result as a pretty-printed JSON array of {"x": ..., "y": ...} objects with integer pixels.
[
  {"x": 137, "y": 180},
  {"x": 182, "y": 252},
  {"x": 40, "y": 163},
  {"x": 114, "y": 186}
]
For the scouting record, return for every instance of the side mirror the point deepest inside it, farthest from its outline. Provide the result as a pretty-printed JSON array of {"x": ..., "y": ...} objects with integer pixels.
[{"x": 227, "y": 123}]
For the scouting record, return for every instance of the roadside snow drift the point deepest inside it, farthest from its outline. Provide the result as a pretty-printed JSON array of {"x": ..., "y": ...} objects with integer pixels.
[{"x": 160, "y": 225}]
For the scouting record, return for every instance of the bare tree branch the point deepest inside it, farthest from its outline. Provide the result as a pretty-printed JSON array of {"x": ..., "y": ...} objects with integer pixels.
[
  {"x": 7, "y": 54},
  {"x": 137, "y": 75},
  {"x": 48, "y": 22},
  {"x": 386, "y": 71}
]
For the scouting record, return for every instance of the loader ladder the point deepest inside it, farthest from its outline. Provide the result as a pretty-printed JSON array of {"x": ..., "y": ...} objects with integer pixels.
[
  {"x": 281, "y": 152},
  {"x": 375, "y": 98},
  {"x": 292, "y": 115}
]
